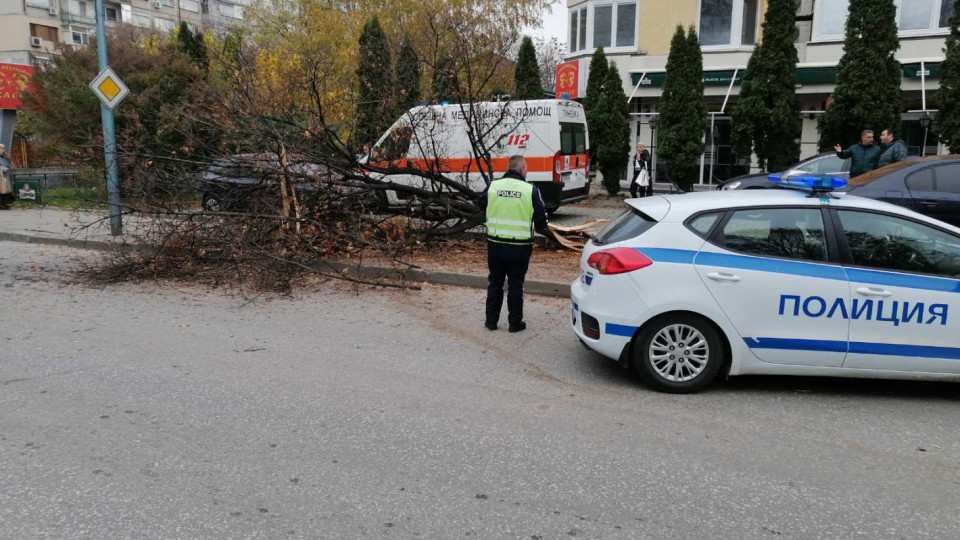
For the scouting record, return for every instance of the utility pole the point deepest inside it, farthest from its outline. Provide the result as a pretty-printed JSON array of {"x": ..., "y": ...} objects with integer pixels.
[{"x": 109, "y": 135}]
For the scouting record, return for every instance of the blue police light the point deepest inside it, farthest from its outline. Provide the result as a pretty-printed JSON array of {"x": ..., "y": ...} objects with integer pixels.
[
  {"x": 444, "y": 103},
  {"x": 813, "y": 182}
]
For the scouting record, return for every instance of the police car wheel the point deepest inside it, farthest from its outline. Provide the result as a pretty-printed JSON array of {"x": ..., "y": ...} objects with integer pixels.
[{"x": 678, "y": 354}]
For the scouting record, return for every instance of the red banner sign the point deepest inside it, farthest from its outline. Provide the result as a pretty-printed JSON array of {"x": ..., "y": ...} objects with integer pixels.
[
  {"x": 14, "y": 79},
  {"x": 568, "y": 80}
]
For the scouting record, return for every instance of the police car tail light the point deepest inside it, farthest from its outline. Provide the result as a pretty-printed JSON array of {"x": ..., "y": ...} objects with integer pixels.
[
  {"x": 557, "y": 166},
  {"x": 618, "y": 261}
]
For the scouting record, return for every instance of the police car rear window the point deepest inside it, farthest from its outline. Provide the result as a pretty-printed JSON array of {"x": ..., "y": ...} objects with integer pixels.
[{"x": 629, "y": 224}]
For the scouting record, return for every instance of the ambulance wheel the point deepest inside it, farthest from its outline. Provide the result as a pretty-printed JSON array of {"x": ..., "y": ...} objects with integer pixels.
[{"x": 678, "y": 354}]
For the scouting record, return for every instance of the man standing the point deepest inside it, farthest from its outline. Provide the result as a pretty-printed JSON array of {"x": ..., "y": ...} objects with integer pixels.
[
  {"x": 513, "y": 208},
  {"x": 894, "y": 149},
  {"x": 863, "y": 156}
]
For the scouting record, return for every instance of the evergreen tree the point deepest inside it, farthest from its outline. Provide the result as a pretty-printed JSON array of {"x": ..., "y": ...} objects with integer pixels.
[
  {"x": 766, "y": 121},
  {"x": 683, "y": 112},
  {"x": 596, "y": 78},
  {"x": 613, "y": 122},
  {"x": 185, "y": 40},
  {"x": 200, "y": 50},
  {"x": 948, "y": 97},
  {"x": 526, "y": 74},
  {"x": 374, "y": 75},
  {"x": 408, "y": 78},
  {"x": 443, "y": 86},
  {"x": 867, "y": 95}
]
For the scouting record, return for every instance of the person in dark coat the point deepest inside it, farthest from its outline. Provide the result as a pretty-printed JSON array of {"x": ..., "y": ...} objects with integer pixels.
[
  {"x": 641, "y": 162},
  {"x": 894, "y": 150},
  {"x": 863, "y": 157}
]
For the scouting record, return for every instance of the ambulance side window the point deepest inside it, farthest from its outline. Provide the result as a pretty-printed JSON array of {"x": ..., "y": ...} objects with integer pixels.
[
  {"x": 890, "y": 243},
  {"x": 396, "y": 146}
]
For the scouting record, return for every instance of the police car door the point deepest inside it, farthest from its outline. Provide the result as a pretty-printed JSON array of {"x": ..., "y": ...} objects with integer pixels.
[
  {"x": 768, "y": 270},
  {"x": 905, "y": 293}
]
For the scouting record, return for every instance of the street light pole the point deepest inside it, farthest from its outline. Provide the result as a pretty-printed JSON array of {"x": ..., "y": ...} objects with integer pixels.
[{"x": 109, "y": 135}]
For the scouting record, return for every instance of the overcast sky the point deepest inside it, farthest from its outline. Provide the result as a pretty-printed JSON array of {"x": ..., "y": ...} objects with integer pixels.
[{"x": 554, "y": 23}]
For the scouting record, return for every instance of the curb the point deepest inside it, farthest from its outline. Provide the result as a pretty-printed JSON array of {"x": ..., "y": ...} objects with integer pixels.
[{"x": 539, "y": 288}]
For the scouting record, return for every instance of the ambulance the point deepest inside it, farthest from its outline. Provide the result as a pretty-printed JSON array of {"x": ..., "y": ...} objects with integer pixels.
[{"x": 551, "y": 134}]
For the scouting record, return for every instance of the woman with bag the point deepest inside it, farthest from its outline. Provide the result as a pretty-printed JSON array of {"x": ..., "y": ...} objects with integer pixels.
[
  {"x": 641, "y": 176},
  {"x": 6, "y": 189}
]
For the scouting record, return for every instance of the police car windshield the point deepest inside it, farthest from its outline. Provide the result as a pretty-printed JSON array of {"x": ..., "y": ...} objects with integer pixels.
[{"x": 629, "y": 224}]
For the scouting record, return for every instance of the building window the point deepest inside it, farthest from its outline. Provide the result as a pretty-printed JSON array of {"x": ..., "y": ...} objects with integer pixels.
[
  {"x": 140, "y": 21},
  {"x": 44, "y": 4},
  {"x": 627, "y": 25},
  {"x": 832, "y": 18},
  {"x": 168, "y": 3},
  {"x": 190, "y": 5},
  {"x": 164, "y": 25},
  {"x": 914, "y": 17},
  {"x": 110, "y": 14},
  {"x": 602, "y": 23},
  {"x": 46, "y": 33},
  {"x": 232, "y": 11},
  {"x": 79, "y": 8},
  {"x": 578, "y": 30},
  {"x": 79, "y": 36},
  {"x": 729, "y": 23},
  {"x": 923, "y": 16}
]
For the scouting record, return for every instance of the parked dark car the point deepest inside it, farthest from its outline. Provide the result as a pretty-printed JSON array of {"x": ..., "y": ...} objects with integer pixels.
[
  {"x": 929, "y": 186},
  {"x": 246, "y": 182},
  {"x": 825, "y": 163}
]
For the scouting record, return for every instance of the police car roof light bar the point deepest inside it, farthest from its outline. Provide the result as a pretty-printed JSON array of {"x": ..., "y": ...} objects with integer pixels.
[{"x": 817, "y": 184}]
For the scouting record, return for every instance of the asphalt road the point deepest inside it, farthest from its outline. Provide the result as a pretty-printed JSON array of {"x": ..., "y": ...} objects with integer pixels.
[{"x": 164, "y": 411}]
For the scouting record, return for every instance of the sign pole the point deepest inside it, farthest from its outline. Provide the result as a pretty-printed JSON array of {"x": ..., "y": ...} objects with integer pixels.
[{"x": 109, "y": 137}]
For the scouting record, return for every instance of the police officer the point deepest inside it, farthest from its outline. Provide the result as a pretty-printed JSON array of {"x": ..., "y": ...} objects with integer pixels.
[{"x": 513, "y": 207}]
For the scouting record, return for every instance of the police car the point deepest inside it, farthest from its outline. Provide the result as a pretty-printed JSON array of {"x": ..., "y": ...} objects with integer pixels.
[{"x": 684, "y": 289}]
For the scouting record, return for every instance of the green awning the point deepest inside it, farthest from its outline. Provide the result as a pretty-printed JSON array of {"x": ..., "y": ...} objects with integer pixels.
[
  {"x": 817, "y": 75},
  {"x": 805, "y": 75},
  {"x": 912, "y": 71},
  {"x": 710, "y": 78}
]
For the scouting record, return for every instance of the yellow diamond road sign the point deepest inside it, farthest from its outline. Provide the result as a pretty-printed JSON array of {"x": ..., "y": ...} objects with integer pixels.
[{"x": 109, "y": 88}]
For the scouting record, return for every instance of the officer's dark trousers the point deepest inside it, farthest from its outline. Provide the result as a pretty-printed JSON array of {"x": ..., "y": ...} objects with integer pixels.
[{"x": 506, "y": 262}]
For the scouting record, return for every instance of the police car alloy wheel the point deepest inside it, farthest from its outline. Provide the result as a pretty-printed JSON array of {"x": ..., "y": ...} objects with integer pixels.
[{"x": 678, "y": 354}]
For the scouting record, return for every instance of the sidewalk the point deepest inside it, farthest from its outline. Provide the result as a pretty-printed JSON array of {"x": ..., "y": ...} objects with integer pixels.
[
  {"x": 461, "y": 264},
  {"x": 47, "y": 225}
]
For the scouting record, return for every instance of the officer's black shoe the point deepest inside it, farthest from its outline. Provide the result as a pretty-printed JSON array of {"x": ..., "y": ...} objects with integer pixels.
[
  {"x": 518, "y": 327},
  {"x": 490, "y": 325}
]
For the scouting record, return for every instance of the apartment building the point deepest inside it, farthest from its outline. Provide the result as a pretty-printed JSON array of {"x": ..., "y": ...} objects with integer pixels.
[
  {"x": 33, "y": 28},
  {"x": 636, "y": 36}
]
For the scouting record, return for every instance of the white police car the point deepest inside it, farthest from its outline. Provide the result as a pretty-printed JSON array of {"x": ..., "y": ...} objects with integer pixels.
[{"x": 686, "y": 288}]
